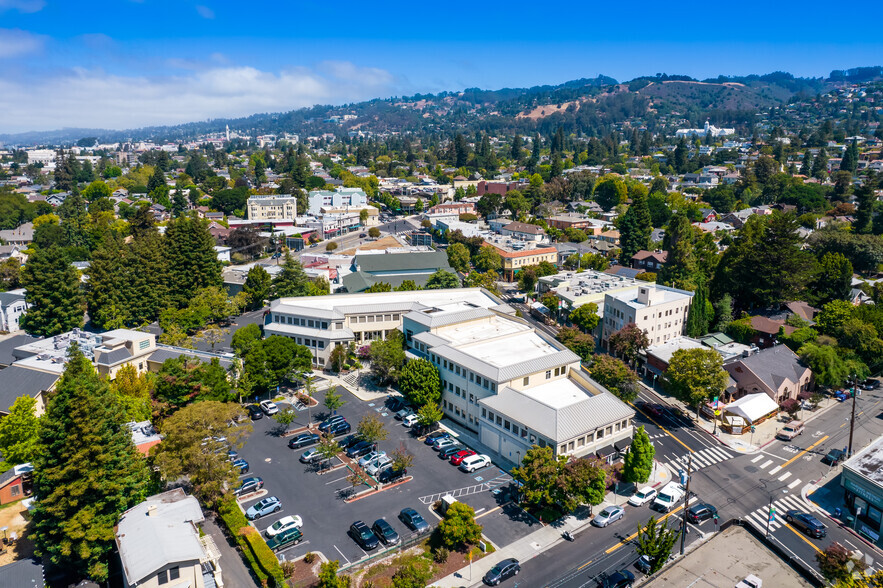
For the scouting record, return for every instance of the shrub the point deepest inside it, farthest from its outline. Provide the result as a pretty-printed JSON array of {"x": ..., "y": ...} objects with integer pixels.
[
  {"x": 264, "y": 556},
  {"x": 288, "y": 568},
  {"x": 440, "y": 555},
  {"x": 310, "y": 557},
  {"x": 260, "y": 558}
]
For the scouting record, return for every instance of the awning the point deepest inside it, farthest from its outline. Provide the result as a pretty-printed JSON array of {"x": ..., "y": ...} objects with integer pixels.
[
  {"x": 606, "y": 451},
  {"x": 623, "y": 444}
]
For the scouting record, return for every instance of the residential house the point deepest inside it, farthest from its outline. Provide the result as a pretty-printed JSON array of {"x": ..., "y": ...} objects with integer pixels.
[
  {"x": 22, "y": 235},
  {"x": 611, "y": 236},
  {"x": 649, "y": 261},
  {"x": 159, "y": 543},
  {"x": 144, "y": 436},
  {"x": 13, "y": 306},
  {"x": 775, "y": 371},
  {"x": 22, "y": 573},
  {"x": 767, "y": 331},
  {"x": 13, "y": 252},
  {"x": 707, "y": 215},
  {"x": 15, "y": 483}
]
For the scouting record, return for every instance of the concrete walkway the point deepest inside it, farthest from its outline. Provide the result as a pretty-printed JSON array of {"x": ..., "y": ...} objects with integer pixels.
[
  {"x": 233, "y": 569},
  {"x": 544, "y": 538}
]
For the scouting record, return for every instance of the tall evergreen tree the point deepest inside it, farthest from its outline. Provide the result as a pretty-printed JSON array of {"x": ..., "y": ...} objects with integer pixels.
[
  {"x": 866, "y": 199},
  {"x": 517, "y": 145},
  {"x": 52, "y": 292},
  {"x": 106, "y": 289},
  {"x": 680, "y": 266},
  {"x": 681, "y": 160},
  {"x": 157, "y": 180},
  {"x": 806, "y": 165},
  {"x": 75, "y": 220},
  {"x": 146, "y": 277},
  {"x": 192, "y": 261},
  {"x": 820, "y": 165},
  {"x": 636, "y": 225},
  {"x": 697, "y": 318},
  {"x": 292, "y": 281},
  {"x": 257, "y": 286},
  {"x": 849, "y": 162},
  {"x": 86, "y": 472}
]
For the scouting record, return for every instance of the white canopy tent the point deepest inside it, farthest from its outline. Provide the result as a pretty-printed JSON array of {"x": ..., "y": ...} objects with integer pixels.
[{"x": 751, "y": 408}]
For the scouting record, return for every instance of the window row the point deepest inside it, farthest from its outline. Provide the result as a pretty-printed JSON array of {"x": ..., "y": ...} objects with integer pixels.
[
  {"x": 374, "y": 318},
  {"x": 300, "y": 321},
  {"x": 463, "y": 372}
]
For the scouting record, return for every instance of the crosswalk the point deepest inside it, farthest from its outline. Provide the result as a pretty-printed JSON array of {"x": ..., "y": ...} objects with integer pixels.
[
  {"x": 758, "y": 518},
  {"x": 703, "y": 458},
  {"x": 763, "y": 463}
]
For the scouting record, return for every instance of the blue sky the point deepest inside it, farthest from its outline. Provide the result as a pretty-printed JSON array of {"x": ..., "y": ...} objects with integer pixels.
[{"x": 129, "y": 63}]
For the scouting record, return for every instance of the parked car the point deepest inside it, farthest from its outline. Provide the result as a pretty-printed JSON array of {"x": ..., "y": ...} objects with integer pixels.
[
  {"x": 303, "y": 440},
  {"x": 284, "y": 524},
  {"x": 242, "y": 465},
  {"x": 368, "y": 458},
  {"x": 331, "y": 421},
  {"x": 834, "y": 457},
  {"x": 806, "y": 523},
  {"x": 403, "y": 412},
  {"x": 433, "y": 437},
  {"x": 790, "y": 431},
  {"x": 411, "y": 420},
  {"x": 390, "y": 474},
  {"x": 349, "y": 441},
  {"x": 653, "y": 409},
  {"x": 668, "y": 497},
  {"x": 841, "y": 395},
  {"x": 413, "y": 520},
  {"x": 643, "y": 564},
  {"x": 385, "y": 532},
  {"x": 503, "y": 570},
  {"x": 340, "y": 428},
  {"x": 475, "y": 462},
  {"x": 364, "y": 536},
  {"x": 361, "y": 448},
  {"x": 444, "y": 444},
  {"x": 750, "y": 581},
  {"x": 610, "y": 514},
  {"x": 269, "y": 407},
  {"x": 458, "y": 457},
  {"x": 310, "y": 456},
  {"x": 378, "y": 464},
  {"x": 249, "y": 485},
  {"x": 263, "y": 507},
  {"x": 643, "y": 496},
  {"x": 870, "y": 384},
  {"x": 232, "y": 455},
  {"x": 448, "y": 452},
  {"x": 700, "y": 512},
  {"x": 396, "y": 403},
  {"x": 255, "y": 412},
  {"x": 621, "y": 579},
  {"x": 285, "y": 539}
]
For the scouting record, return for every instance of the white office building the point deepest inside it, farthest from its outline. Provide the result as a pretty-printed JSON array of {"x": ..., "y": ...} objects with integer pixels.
[
  {"x": 659, "y": 310},
  {"x": 272, "y": 208},
  {"x": 340, "y": 198}
]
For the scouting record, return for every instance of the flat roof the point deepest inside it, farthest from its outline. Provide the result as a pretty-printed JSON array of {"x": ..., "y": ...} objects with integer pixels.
[
  {"x": 482, "y": 330},
  {"x": 557, "y": 394},
  {"x": 868, "y": 462},
  {"x": 428, "y": 298},
  {"x": 630, "y": 296}
]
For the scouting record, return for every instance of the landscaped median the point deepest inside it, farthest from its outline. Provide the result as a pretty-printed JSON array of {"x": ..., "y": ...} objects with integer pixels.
[{"x": 260, "y": 558}]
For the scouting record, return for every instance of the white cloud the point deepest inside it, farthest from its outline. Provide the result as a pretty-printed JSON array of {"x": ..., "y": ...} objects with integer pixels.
[
  {"x": 92, "y": 98},
  {"x": 205, "y": 12},
  {"x": 16, "y": 42},
  {"x": 22, "y": 5}
]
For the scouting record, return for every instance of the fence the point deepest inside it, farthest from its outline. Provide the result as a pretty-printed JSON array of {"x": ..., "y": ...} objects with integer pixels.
[{"x": 414, "y": 539}]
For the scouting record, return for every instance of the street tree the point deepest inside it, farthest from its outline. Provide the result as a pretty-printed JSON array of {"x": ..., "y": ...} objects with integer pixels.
[
  {"x": 582, "y": 481},
  {"x": 372, "y": 429},
  {"x": 656, "y": 540},
  {"x": 580, "y": 343},
  {"x": 333, "y": 400},
  {"x": 257, "y": 287},
  {"x": 19, "y": 433},
  {"x": 430, "y": 414},
  {"x": 585, "y": 317},
  {"x": 458, "y": 257},
  {"x": 52, "y": 291},
  {"x": 442, "y": 279},
  {"x": 837, "y": 563},
  {"x": 420, "y": 383},
  {"x": 328, "y": 447},
  {"x": 387, "y": 357},
  {"x": 285, "y": 417},
  {"x": 191, "y": 448},
  {"x": 695, "y": 375},
  {"x": 401, "y": 457},
  {"x": 86, "y": 472},
  {"x": 458, "y": 527},
  {"x": 638, "y": 462},
  {"x": 629, "y": 341},
  {"x": 616, "y": 376},
  {"x": 488, "y": 259},
  {"x": 538, "y": 473}
]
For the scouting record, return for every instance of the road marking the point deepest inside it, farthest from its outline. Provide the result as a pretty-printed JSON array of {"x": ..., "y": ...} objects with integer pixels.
[
  {"x": 342, "y": 555},
  {"x": 633, "y": 535},
  {"x": 784, "y": 476},
  {"x": 805, "y": 540},
  {"x": 765, "y": 464},
  {"x": 793, "y": 459},
  {"x": 337, "y": 480},
  {"x": 794, "y": 483},
  {"x": 661, "y": 427},
  {"x": 775, "y": 470},
  {"x": 489, "y": 512},
  {"x": 757, "y": 459},
  {"x": 579, "y": 569}
]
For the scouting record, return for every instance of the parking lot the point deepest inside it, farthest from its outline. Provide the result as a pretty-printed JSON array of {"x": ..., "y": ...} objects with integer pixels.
[{"x": 319, "y": 499}]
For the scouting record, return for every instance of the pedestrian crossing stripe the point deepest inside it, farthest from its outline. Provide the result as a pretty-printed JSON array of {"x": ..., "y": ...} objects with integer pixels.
[
  {"x": 704, "y": 458},
  {"x": 759, "y": 517}
]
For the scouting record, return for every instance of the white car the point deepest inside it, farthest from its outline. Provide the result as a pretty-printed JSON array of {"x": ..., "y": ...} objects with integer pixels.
[
  {"x": 475, "y": 462},
  {"x": 410, "y": 420},
  {"x": 643, "y": 496},
  {"x": 365, "y": 460},
  {"x": 269, "y": 407},
  {"x": 284, "y": 524},
  {"x": 378, "y": 464}
]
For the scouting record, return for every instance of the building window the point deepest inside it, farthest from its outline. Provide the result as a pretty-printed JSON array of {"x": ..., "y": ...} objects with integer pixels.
[
  {"x": 548, "y": 374},
  {"x": 15, "y": 490},
  {"x": 570, "y": 446},
  {"x": 506, "y": 425},
  {"x": 526, "y": 380},
  {"x": 581, "y": 442},
  {"x": 471, "y": 377},
  {"x": 563, "y": 448},
  {"x": 472, "y": 398},
  {"x": 484, "y": 412},
  {"x": 523, "y": 433},
  {"x": 617, "y": 427},
  {"x": 499, "y": 420}
]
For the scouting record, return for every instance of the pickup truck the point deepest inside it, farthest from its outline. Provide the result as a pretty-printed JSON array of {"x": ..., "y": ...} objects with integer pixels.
[{"x": 668, "y": 497}]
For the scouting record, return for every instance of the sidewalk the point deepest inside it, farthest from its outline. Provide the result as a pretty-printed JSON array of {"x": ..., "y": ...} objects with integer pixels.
[{"x": 546, "y": 537}]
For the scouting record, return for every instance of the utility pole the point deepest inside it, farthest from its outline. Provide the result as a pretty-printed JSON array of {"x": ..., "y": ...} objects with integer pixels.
[
  {"x": 686, "y": 503},
  {"x": 852, "y": 418}
]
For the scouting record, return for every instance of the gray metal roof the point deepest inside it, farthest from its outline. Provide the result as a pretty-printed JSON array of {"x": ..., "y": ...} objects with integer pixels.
[
  {"x": 508, "y": 372},
  {"x": 561, "y": 424},
  {"x": 24, "y": 573},
  {"x": 114, "y": 357},
  {"x": 772, "y": 366},
  {"x": 7, "y": 345},
  {"x": 403, "y": 262},
  {"x": 7, "y": 298},
  {"x": 18, "y": 381},
  {"x": 148, "y": 543},
  {"x": 332, "y": 334},
  {"x": 447, "y": 318}
]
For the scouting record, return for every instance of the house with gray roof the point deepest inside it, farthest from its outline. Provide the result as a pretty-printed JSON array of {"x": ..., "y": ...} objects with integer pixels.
[
  {"x": 18, "y": 381},
  {"x": 776, "y": 371},
  {"x": 12, "y": 307},
  {"x": 21, "y": 235},
  {"x": 24, "y": 573},
  {"x": 394, "y": 268},
  {"x": 159, "y": 544}
]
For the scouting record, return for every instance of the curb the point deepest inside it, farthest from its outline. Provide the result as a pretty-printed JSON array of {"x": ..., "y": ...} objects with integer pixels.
[
  {"x": 373, "y": 491},
  {"x": 806, "y": 496}
]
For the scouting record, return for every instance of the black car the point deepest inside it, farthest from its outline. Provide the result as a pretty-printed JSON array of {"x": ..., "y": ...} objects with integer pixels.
[
  {"x": 385, "y": 532},
  {"x": 341, "y": 428},
  {"x": 870, "y": 384},
  {"x": 447, "y": 452},
  {"x": 361, "y": 448},
  {"x": 806, "y": 523},
  {"x": 364, "y": 536},
  {"x": 413, "y": 520},
  {"x": 834, "y": 457},
  {"x": 390, "y": 474},
  {"x": 396, "y": 403},
  {"x": 303, "y": 440},
  {"x": 330, "y": 422},
  {"x": 700, "y": 512},
  {"x": 502, "y": 571},
  {"x": 349, "y": 441},
  {"x": 621, "y": 579},
  {"x": 255, "y": 412},
  {"x": 433, "y": 437}
]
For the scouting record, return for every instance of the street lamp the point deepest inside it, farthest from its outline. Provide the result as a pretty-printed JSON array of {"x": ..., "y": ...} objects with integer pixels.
[{"x": 852, "y": 417}]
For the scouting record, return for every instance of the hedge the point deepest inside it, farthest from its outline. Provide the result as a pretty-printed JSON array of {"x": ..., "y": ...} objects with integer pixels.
[{"x": 261, "y": 559}]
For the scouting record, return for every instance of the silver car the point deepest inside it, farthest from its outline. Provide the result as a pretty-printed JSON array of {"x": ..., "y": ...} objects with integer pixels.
[{"x": 611, "y": 514}]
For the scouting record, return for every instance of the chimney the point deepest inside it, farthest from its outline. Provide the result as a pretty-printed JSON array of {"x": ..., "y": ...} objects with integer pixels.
[{"x": 151, "y": 510}]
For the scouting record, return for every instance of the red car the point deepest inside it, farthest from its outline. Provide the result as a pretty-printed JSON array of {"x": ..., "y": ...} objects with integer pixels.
[
  {"x": 653, "y": 409},
  {"x": 458, "y": 457}
]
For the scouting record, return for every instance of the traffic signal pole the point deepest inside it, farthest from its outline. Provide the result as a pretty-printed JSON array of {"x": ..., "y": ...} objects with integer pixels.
[{"x": 686, "y": 503}]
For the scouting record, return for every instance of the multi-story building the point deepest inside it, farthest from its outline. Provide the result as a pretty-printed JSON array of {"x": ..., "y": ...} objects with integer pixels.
[
  {"x": 578, "y": 288},
  {"x": 12, "y": 306},
  {"x": 282, "y": 207},
  {"x": 520, "y": 254},
  {"x": 660, "y": 311},
  {"x": 514, "y": 386},
  {"x": 340, "y": 198}
]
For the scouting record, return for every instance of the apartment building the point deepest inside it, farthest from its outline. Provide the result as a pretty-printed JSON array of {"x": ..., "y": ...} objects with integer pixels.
[
  {"x": 340, "y": 198},
  {"x": 518, "y": 254},
  {"x": 282, "y": 207},
  {"x": 659, "y": 310},
  {"x": 578, "y": 288}
]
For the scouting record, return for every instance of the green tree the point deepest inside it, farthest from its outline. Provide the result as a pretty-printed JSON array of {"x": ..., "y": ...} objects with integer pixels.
[
  {"x": 638, "y": 462},
  {"x": 147, "y": 285},
  {"x": 832, "y": 280},
  {"x": 191, "y": 449},
  {"x": 488, "y": 259},
  {"x": 697, "y": 318},
  {"x": 184, "y": 379},
  {"x": 107, "y": 293},
  {"x": 19, "y": 433},
  {"x": 420, "y": 383},
  {"x": 96, "y": 191},
  {"x": 157, "y": 180},
  {"x": 458, "y": 257},
  {"x": 86, "y": 472},
  {"x": 257, "y": 287},
  {"x": 723, "y": 312},
  {"x": 656, "y": 540},
  {"x": 635, "y": 226},
  {"x": 192, "y": 261},
  {"x": 539, "y": 473},
  {"x": 616, "y": 376},
  {"x": 833, "y": 316},
  {"x": 328, "y": 577},
  {"x": 806, "y": 164},
  {"x": 582, "y": 481},
  {"x": 610, "y": 191},
  {"x": 379, "y": 287},
  {"x": 407, "y": 286},
  {"x": 458, "y": 527},
  {"x": 272, "y": 360},
  {"x": 580, "y": 343},
  {"x": 680, "y": 265},
  {"x": 585, "y": 317},
  {"x": 629, "y": 341},
  {"x": 430, "y": 414},
  {"x": 387, "y": 357},
  {"x": 442, "y": 279},
  {"x": 333, "y": 400},
  {"x": 374, "y": 232},
  {"x": 695, "y": 375},
  {"x": 837, "y": 564},
  {"x": 133, "y": 392},
  {"x": 372, "y": 429},
  {"x": 55, "y": 302},
  {"x": 328, "y": 446},
  {"x": 866, "y": 199},
  {"x": 246, "y": 337},
  {"x": 831, "y": 368},
  {"x": 412, "y": 574}
]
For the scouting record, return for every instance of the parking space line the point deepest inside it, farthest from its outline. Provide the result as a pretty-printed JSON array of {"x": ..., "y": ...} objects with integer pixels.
[
  {"x": 489, "y": 512},
  {"x": 337, "y": 480},
  {"x": 342, "y": 555}
]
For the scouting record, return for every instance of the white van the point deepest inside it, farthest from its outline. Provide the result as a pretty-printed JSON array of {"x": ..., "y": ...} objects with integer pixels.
[
  {"x": 668, "y": 497},
  {"x": 475, "y": 462}
]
